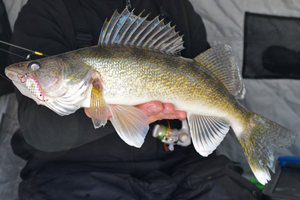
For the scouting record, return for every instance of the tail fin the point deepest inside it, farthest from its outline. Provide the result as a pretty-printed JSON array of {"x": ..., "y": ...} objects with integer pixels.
[{"x": 259, "y": 140}]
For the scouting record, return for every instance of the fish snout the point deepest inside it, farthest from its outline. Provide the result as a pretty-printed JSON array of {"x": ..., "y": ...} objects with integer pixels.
[
  {"x": 15, "y": 72},
  {"x": 8, "y": 73}
]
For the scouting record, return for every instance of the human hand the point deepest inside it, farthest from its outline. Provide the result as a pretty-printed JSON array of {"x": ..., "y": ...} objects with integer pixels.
[{"x": 155, "y": 110}]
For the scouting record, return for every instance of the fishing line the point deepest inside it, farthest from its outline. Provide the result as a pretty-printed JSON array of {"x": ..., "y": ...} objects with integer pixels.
[
  {"x": 26, "y": 58},
  {"x": 13, "y": 54},
  {"x": 5, "y": 78},
  {"x": 25, "y": 49}
]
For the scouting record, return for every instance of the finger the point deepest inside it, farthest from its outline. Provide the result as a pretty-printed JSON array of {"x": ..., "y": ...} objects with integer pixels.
[
  {"x": 162, "y": 116},
  {"x": 175, "y": 114},
  {"x": 168, "y": 108},
  {"x": 152, "y": 119},
  {"x": 151, "y": 108},
  {"x": 87, "y": 112},
  {"x": 181, "y": 115}
]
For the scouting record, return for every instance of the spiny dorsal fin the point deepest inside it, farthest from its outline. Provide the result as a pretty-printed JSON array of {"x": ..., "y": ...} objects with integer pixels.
[
  {"x": 221, "y": 61},
  {"x": 131, "y": 30}
]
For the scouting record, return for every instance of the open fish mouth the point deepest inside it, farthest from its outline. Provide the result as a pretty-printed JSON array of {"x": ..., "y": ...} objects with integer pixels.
[
  {"x": 24, "y": 90},
  {"x": 26, "y": 84},
  {"x": 15, "y": 74}
]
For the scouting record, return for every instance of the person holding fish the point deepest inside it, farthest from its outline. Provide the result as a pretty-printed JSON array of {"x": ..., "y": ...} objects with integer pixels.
[{"x": 114, "y": 156}]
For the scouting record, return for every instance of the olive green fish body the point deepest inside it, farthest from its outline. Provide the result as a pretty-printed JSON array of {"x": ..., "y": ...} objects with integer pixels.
[
  {"x": 132, "y": 76},
  {"x": 139, "y": 75}
]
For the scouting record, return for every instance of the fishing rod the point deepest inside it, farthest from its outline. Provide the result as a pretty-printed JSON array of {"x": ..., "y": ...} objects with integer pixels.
[
  {"x": 5, "y": 78},
  {"x": 25, "y": 49},
  {"x": 13, "y": 53}
]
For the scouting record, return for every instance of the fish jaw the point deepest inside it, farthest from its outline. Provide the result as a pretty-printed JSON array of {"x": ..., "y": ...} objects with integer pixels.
[
  {"x": 18, "y": 75},
  {"x": 27, "y": 81},
  {"x": 15, "y": 72}
]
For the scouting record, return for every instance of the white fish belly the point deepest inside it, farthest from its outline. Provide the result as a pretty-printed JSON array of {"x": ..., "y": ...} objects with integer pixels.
[{"x": 132, "y": 100}]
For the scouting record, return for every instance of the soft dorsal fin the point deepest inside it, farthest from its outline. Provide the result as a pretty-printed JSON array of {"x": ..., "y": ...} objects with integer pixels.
[
  {"x": 222, "y": 63},
  {"x": 131, "y": 30}
]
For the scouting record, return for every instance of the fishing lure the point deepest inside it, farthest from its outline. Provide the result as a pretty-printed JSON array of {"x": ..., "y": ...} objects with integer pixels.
[{"x": 34, "y": 88}]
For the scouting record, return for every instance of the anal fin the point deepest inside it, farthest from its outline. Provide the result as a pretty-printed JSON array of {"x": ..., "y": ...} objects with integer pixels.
[
  {"x": 98, "y": 108},
  {"x": 207, "y": 132},
  {"x": 130, "y": 123}
]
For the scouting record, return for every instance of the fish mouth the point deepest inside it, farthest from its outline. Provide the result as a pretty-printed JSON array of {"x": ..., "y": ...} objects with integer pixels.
[
  {"x": 19, "y": 80},
  {"x": 24, "y": 90},
  {"x": 10, "y": 74},
  {"x": 15, "y": 76}
]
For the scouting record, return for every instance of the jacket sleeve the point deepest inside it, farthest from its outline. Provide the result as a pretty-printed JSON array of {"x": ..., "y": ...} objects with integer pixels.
[{"x": 45, "y": 26}]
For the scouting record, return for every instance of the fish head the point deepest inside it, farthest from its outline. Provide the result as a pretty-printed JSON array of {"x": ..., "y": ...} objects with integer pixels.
[
  {"x": 39, "y": 77},
  {"x": 57, "y": 82}
]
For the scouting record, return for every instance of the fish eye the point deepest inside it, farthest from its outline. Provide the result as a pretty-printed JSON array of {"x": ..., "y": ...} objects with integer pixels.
[{"x": 33, "y": 66}]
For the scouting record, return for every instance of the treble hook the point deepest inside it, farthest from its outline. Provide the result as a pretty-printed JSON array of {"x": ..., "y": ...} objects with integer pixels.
[{"x": 21, "y": 78}]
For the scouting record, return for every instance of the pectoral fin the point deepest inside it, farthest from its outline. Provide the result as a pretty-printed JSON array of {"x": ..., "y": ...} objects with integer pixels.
[
  {"x": 130, "y": 123},
  {"x": 98, "y": 108},
  {"x": 207, "y": 132}
]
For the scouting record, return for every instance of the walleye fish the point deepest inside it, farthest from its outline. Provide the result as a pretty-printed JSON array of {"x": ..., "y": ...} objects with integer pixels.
[{"x": 137, "y": 61}]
